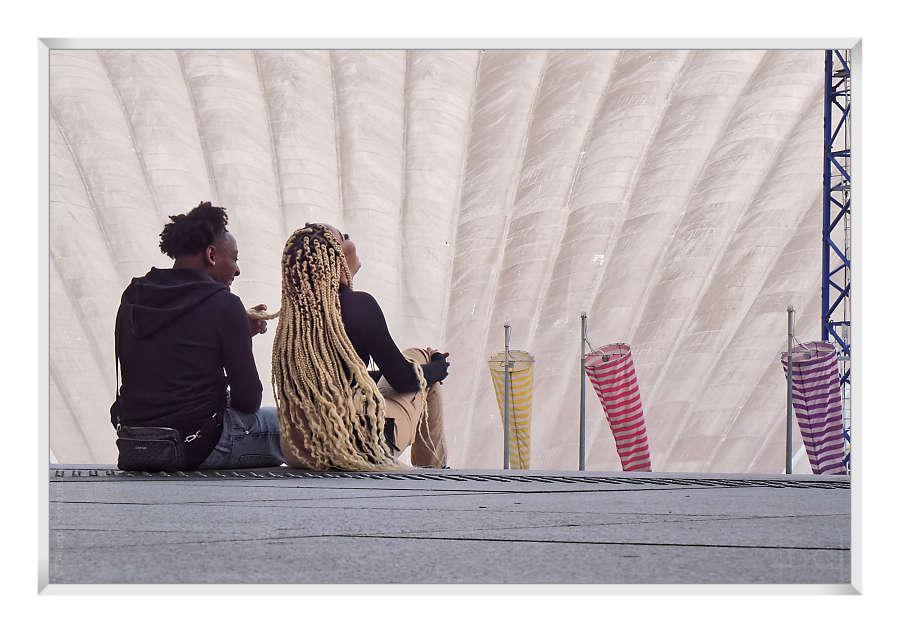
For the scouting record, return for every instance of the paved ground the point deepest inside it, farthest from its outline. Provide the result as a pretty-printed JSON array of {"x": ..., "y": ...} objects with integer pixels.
[{"x": 446, "y": 527}]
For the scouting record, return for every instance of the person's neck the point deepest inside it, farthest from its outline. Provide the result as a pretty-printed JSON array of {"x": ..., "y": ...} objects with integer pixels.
[{"x": 190, "y": 261}]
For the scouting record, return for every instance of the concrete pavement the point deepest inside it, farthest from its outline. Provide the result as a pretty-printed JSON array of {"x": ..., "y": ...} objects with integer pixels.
[{"x": 445, "y": 527}]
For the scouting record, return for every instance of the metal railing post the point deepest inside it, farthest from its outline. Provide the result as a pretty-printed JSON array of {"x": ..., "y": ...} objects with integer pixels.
[
  {"x": 506, "y": 396},
  {"x": 788, "y": 452},
  {"x": 581, "y": 423}
]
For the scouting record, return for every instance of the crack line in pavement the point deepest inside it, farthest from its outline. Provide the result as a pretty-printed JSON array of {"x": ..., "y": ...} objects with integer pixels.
[
  {"x": 440, "y": 493},
  {"x": 437, "y": 490},
  {"x": 502, "y": 540},
  {"x": 230, "y": 501},
  {"x": 585, "y": 525},
  {"x": 509, "y": 527},
  {"x": 673, "y": 518},
  {"x": 451, "y": 538}
]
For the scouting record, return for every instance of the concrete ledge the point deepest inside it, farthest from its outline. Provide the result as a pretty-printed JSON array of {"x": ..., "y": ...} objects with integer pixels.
[
  {"x": 108, "y": 471},
  {"x": 446, "y": 527}
]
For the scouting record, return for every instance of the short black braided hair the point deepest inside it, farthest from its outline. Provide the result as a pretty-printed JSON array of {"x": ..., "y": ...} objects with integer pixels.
[{"x": 190, "y": 233}]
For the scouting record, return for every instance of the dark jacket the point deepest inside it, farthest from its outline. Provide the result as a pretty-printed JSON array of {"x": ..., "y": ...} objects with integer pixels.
[{"x": 183, "y": 341}]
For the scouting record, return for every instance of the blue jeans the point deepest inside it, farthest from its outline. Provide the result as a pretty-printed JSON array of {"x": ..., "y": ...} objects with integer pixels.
[{"x": 248, "y": 440}]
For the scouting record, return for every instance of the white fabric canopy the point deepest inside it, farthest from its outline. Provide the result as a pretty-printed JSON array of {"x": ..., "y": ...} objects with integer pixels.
[{"x": 675, "y": 196}]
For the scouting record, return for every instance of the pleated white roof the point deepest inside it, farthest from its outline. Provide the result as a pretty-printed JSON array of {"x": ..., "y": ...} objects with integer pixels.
[{"x": 673, "y": 196}]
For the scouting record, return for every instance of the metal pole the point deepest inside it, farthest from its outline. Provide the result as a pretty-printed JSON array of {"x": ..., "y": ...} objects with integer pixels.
[
  {"x": 506, "y": 397},
  {"x": 826, "y": 193},
  {"x": 788, "y": 452},
  {"x": 581, "y": 425}
]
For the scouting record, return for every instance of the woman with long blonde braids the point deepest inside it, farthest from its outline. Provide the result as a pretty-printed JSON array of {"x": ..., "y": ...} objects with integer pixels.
[{"x": 333, "y": 413}]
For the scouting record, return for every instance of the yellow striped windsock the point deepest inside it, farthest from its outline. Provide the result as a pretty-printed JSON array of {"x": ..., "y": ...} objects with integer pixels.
[{"x": 521, "y": 384}]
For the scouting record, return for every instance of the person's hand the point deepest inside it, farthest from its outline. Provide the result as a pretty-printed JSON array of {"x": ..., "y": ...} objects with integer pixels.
[
  {"x": 431, "y": 352},
  {"x": 258, "y": 326}
]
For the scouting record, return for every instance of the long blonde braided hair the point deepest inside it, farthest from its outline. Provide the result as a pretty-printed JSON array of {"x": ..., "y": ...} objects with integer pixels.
[{"x": 321, "y": 386}]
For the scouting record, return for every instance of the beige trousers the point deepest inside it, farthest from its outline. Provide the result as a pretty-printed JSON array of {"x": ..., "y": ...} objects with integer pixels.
[{"x": 428, "y": 448}]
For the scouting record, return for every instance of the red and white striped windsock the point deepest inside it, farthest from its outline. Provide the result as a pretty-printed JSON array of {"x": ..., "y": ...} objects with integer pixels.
[
  {"x": 611, "y": 371},
  {"x": 817, "y": 404}
]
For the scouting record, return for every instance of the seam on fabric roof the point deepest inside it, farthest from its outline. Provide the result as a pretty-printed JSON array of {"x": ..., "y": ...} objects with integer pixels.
[
  {"x": 83, "y": 321},
  {"x": 404, "y": 193},
  {"x": 276, "y": 163},
  {"x": 210, "y": 174},
  {"x": 405, "y": 233},
  {"x": 92, "y": 345},
  {"x": 98, "y": 217},
  {"x": 651, "y": 283},
  {"x": 588, "y": 133},
  {"x": 512, "y": 194},
  {"x": 547, "y": 275},
  {"x": 727, "y": 240},
  {"x": 749, "y": 392},
  {"x": 635, "y": 177},
  {"x": 463, "y": 166},
  {"x": 699, "y": 178},
  {"x": 713, "y": 270},
  {"x": 639, "y": 170},
  {"x": 816, "y": 96},
  {"x": 336, "y": 120},
  {"x": 594, "y": 293},
  {"x": 68, "y": 404},
  {"x": 494, "y": 278},
  {"x": 654, "y": 132},
  {"x": 137, "y": 151},
  {"x": 777, "y": 425}
]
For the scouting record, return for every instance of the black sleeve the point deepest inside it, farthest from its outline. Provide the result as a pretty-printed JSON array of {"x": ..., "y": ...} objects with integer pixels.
[
  {"x": 394, "y": 366},
  {"x": 237, "y": 356}
]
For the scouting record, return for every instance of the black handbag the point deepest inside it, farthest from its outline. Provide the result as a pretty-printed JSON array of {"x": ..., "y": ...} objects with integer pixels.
[
  {"x": 150, "y": 448},
  {"x": 155, "y": 448}
]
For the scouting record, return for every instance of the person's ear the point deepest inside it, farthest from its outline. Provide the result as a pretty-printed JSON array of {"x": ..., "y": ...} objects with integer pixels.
[{"x": 210, "y": 255}]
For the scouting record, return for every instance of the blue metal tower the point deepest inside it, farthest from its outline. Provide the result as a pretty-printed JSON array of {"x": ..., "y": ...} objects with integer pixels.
[{"x": 836, "y": 217}]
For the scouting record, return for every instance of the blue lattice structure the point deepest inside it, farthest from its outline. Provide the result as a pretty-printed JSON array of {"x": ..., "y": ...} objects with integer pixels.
[{"x": 836, "y": 216}]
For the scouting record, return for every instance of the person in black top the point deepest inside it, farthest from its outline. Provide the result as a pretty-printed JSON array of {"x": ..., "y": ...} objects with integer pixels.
[
  {"x": 183, "y": 342},
  {"x": 332, "y": 414}
]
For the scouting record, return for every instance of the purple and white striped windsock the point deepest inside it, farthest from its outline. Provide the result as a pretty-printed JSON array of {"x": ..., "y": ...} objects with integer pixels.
[
  {"x": 611, "y": 371},
  {"x": 817, "y": 404}
]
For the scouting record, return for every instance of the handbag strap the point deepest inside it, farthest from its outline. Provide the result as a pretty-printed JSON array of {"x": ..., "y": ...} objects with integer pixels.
[
  {"x": 114, "y": 410},
  {"x": 116, "y": 344},
  {"x": 198, "y": 433}
]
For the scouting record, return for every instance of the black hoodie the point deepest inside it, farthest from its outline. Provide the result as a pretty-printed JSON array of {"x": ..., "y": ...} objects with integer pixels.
[{"x": 182, "y": 340}]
